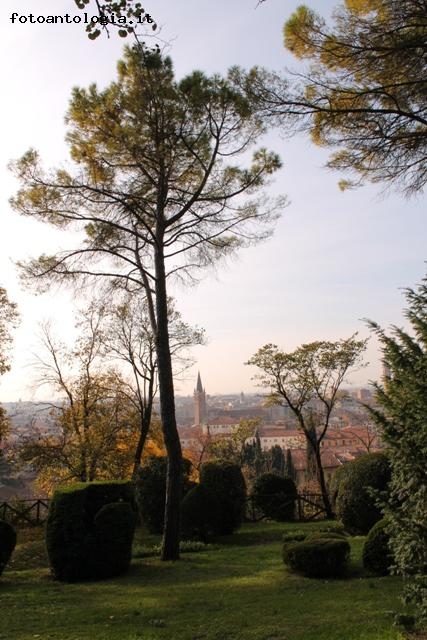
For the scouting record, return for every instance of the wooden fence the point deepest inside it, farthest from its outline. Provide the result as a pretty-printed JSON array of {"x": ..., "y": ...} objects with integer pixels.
[
  {"x": 308, "y": 506},
  {"x": 25, "y": 512}
]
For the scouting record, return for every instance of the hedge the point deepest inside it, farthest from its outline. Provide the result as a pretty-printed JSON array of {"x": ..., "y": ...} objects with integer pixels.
[
  {"x": 225, "y": 480},
  {"x": 90, "y": 529},
  {"x": 7, "y": 543}
]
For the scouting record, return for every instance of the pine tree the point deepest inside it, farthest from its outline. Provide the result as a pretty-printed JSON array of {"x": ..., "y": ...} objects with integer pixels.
[{"x": 157, "y": 192}]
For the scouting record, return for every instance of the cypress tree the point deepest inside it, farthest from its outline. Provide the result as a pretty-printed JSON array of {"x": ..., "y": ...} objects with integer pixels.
[{"x": 402, "y": 417}]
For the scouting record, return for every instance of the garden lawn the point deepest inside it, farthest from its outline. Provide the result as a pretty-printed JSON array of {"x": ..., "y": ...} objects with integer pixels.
[{"x": 235, "y": 591}]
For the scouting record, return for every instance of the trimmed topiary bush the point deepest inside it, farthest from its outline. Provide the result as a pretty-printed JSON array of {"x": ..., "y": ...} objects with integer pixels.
[
  {"x": 7, "y": 543},
  {"x": 275, "y": 496},
  {"x": 376, "y": 554},
  {"x": 320, "y": 535},
  {"x": 317, "y": 558},
  {"x": 115, "y": 526},
  {"x": 150, "y": 490},
  {"x": 329, "y": 529},
  {"x": 225, "y": 480},
  {"x": 365, "y": 478},
  {"x": 89, "y": 530},
  {"x": 199, "y": 514},
  {"x": 294, "y": 536}
]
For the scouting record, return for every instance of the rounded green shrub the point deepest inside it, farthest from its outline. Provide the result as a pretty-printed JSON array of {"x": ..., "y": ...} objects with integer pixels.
[
  {"x": 150, "y": 490},
  {"x": 89, "y": 530},
  {"x": 366, "y": 478},
  {"x": 275, "y": 496},
  {"x": 319, "y": 558},
  {"x": 329, "y": 529},
  {"x": 376, "y": 554},
  {"x": 297, "y": 535},
  {"x": 7, "y": 543},
  {"x": 225, "y": 480},
  {"x": 331, "y": 526},
  {"x": 199, "y": 514},
  {"x": 321, "y": 535}
]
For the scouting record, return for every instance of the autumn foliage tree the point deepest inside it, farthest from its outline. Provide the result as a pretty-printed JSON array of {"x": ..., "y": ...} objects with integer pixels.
[
  {"x": 93, "y": 425},
  {"x": 127, "y": 339},
  {"x": 158, "y": 194}
]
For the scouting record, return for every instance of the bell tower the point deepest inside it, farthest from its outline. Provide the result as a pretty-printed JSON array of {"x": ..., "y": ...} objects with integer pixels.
[{"x": 200, "y": 412}]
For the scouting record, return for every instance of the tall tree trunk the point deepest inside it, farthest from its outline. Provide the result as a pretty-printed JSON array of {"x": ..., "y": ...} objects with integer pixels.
[{"x": 170, "y": 543}]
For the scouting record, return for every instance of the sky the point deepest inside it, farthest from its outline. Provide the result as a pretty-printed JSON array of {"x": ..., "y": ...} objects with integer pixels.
[{"x": 335, "y": 257}]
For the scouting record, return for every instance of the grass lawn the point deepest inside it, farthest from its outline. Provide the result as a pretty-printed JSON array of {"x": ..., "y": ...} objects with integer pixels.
[{"x": 240, "y": 590}]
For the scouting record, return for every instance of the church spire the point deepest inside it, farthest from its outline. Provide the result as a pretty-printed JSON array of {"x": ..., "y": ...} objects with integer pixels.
[
  {"x": 199, "y": 386},
  {"x": 200, "y": 409}
]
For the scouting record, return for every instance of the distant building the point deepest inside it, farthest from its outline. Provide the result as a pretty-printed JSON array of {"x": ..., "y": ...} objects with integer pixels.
[
  {"x": 364, "y": 395},
  {"x": 200, "y": 408},
  {"x": 221, "y": 426},
  {"x": 271, "y": 435}
]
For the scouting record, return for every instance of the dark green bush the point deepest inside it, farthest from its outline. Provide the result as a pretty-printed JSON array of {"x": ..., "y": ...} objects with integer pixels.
[
  {"x": 275, "y": 496},
  {"x": 332, "y": 527},
  {"x": 115, "y": 526},
  {"x": 199, "y": 514},
  {"x": 319, "y": 558},
  {"x": 294, "y": 536},
  {"x": 376, "y": 554},
  {"x": 150, "y": 490},
  {"x": 366, "y": 478},
  {"x": 329, "y": 529},
  {"x": 90, "y": 529},
  {"x": 320, "y": 535},
  {"x": 7, "y": 543},
  {"x": 225, "y": 480}
]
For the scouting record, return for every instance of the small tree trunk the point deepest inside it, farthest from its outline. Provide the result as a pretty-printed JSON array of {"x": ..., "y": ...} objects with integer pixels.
[
  {"x": 170, "y": 543},
  {"x": 143, "y": 433},
  {"x": 322, "y": 483}
]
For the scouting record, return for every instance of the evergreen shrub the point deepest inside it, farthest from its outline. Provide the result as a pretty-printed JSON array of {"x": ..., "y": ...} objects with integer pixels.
[
  {"x": 150, "y": 490},
  {"x": 317, "y": 558},
  {"x": 294, "y": 536},
  {"x": 376, "y": 554},
  {"x": 199, "y": 514},
  {"x": 320, "y": 535},
  {"x": 365, "y": 480},
  {"x": 89, "y": 530},
  {"x": 225, "y": 480},
  {"x": 275, "y": 496},
  {"x": 332, "y": 527},
  {"x": 329, "y": 529},
  {"x": 7, "y": 543}
]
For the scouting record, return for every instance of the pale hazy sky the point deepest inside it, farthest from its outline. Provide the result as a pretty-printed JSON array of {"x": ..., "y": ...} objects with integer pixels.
[{"x": 335, "y": 257}]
